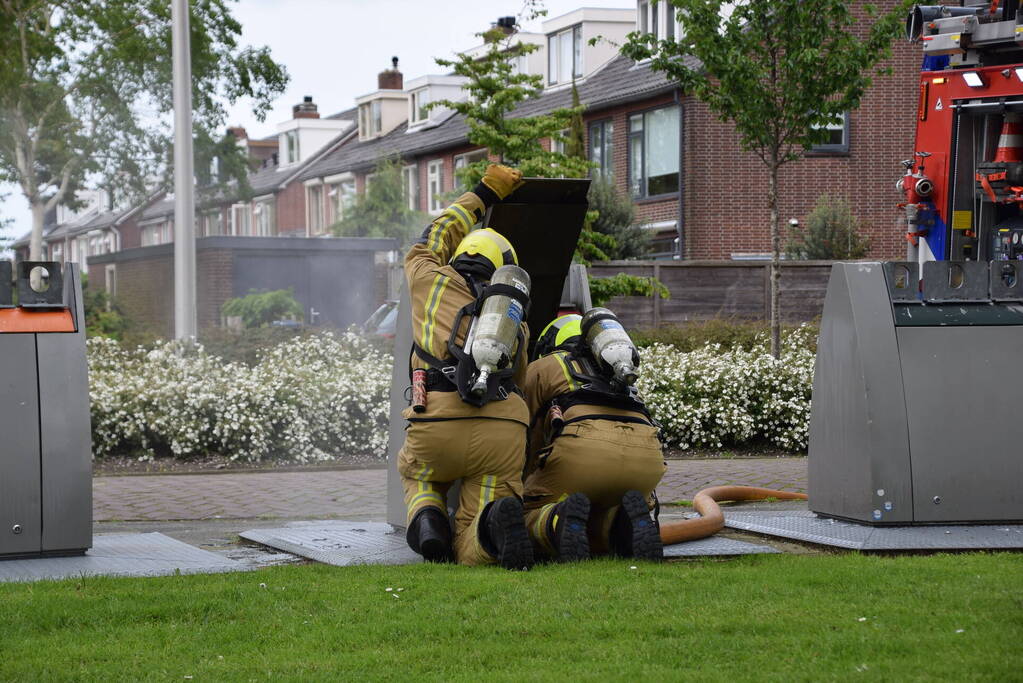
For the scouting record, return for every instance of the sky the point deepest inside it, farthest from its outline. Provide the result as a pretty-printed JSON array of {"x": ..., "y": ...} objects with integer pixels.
[{"x": 333, "y": 50}]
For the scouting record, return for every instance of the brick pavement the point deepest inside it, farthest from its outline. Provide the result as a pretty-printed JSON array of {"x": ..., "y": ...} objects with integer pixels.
[{"x": 324, "y": 494}]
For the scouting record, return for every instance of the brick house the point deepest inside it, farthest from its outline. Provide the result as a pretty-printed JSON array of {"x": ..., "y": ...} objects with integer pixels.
[{"x": 700, "y": 195}]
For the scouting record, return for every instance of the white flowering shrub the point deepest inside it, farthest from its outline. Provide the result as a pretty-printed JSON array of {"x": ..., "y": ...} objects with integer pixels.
[
  {"x": 326, "y": 398},
  {"x": 319, "y": 398},
  {"x": 714, "y": 397}
]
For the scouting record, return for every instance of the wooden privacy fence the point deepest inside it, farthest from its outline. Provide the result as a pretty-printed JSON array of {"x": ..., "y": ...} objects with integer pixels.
[{"x": 719, "y": 289}]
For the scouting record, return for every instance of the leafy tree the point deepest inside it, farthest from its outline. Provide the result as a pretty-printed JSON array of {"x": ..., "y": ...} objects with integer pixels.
[
  {"x": 259, "y": 309},
  {"x": 779, "y": 71},
  {"x": 382, "y": 210},
  {"x": 832, "y": 232},
  {"x": 495, "y": 90},
  {"x": 603, "y": 289},
  {"x": 85, "y": 94},
  {"x": 103, "y": 317},
  {"x": 575, "y": 141}
]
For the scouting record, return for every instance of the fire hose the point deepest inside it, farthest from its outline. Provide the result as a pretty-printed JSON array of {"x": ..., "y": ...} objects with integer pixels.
[{"x": 711, "y": 519}]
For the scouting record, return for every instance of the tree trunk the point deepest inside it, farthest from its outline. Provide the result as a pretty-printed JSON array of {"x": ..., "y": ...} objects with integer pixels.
[
  {"x": 772, "y": 201},
  {"x": 35, "y": 246}
]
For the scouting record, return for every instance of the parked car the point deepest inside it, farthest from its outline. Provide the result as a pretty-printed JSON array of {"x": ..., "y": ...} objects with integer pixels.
[{"x": 383, "y": 322}]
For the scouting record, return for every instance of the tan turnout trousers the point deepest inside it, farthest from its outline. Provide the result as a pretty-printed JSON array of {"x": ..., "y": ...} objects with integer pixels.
[
  {"x": 484, "y": 447},
  {"x": 600, "y": 458}
]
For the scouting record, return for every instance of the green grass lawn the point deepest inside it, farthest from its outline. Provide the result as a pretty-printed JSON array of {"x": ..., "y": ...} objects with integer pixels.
[{"x": 770, "y": 617}]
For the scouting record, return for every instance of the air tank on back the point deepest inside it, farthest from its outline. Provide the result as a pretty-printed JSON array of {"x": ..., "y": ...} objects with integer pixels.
[
  {"x": 497, "y": 328},
  {"x": 611, "y": 344}
]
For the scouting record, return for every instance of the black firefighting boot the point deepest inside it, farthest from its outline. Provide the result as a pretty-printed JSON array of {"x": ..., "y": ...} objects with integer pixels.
[
  {"x": 633, "y": 532},
  {"x": 429, "y": 534},
  {"x": 567, "y": 528},
  {"x": 502, "y": 533}
]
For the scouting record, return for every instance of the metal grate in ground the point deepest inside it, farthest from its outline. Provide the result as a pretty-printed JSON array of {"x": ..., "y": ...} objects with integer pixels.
[
  {"x": 149, "y": 554},
  {"x": 343, "y": 543},
  {"x": 806, "y": 526}
]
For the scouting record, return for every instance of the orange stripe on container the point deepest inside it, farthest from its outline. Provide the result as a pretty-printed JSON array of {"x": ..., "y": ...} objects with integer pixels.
[{"x": 22, "y": 320}]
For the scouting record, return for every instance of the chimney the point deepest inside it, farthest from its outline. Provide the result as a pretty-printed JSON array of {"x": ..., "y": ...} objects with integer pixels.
[
  {"x": 306, "y": 109},
  {"x": 390, "y": 79},
  {"x": 238, "y": 132},
  {"x": 499, "y": 30}
]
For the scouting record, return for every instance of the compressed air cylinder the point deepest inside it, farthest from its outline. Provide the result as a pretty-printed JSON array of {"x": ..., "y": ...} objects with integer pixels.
[
  {"x": 611, "y": 344},
  {"x": 498, "y": 326}
]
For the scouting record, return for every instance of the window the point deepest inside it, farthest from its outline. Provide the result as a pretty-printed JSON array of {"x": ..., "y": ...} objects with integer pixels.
[
  {"x": 837, "y": 141},
  {"x": 83, "y": 253},
  {"x": 654, "y": 152},
  {"x": 56, "y": 251},
  {"x": 110, "y": 274},
  {"x": 601, "y": 145},
  {"x": 463, "y": 160},
  {"x": 410, "y": 185},
  {"x": 241, "y": 220},
  {"x": 263, "y": 217},
  {"x": 420, "y": 98},
  {"x": 659, "y": 19},
  {"x": 151, "y": 235},
  {"x": 565, "y": 56},
  {"x": 291, "y": 139},
  {"x": 521, "y": 65},
  {"x": 314, "y": 208},
  {"x": 558, "y": 146},
  {"x": 435, "y": 184},
  {"x": 213, "y": 224},
  {"x": 340, "y": 195},
  {"x": 370, "y": 119}
]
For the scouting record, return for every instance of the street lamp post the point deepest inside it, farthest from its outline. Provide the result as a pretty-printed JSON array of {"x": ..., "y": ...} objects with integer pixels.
[{"x": 184, "y": 184}]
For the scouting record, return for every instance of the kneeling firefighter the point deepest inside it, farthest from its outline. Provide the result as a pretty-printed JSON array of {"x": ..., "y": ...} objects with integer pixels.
[
  {"x": 467, "y": 418},
  {"x": 595, "y": 456}
]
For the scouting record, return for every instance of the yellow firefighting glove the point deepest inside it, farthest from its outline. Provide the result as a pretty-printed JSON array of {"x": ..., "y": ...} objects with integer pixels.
[{"x": 501, "y": 181}]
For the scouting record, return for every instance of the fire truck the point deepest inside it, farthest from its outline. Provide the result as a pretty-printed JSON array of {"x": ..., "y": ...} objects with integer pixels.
[{"x": 963, "y": 188}]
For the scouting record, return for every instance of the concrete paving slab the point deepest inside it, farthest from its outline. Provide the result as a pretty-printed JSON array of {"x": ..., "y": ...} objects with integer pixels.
[
  {"x": 150, "y": 554},
  {"x": 807, "y": 526}
]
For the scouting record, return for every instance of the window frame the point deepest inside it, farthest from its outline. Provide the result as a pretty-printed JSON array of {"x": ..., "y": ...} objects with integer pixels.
[
  {"x": 574, "y": 34},
  {"x": 293, "y": 149},
  {"x": 830, "y": 149},
  {"x": 410, "y": 185},
  {"x": 606, "y": 169},
  {"x": 260, "y": 208},
  {"x": 208, "y": 222},
  {"x": 415, "y": 101},
  {"x": 435, "y": 172},
  {"x": 245, "y": 211},
  {"x": 465, "y": 158},
  {"x": 629, "y": 135},
  {"x": 662, "y": 24},
  {"x": 314, "y": 208}
]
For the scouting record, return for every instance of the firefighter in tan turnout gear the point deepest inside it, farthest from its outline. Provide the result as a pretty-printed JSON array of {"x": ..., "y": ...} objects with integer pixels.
[
  {"x": 467, "y": 422},
  {"x": 595, "y": 456}
]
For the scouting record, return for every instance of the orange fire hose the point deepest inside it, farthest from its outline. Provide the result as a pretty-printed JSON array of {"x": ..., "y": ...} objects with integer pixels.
[{"x": 711, "y": 520}]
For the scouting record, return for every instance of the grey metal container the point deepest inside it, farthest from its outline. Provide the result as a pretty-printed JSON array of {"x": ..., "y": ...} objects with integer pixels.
[
  {"x": 46, "y": 450},
  {"x": 915, "y": 405}
]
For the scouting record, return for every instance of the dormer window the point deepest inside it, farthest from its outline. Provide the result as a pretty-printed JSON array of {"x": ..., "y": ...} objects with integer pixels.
[
  {"x": 370, "y": 119},
  {"x": 565, "y": 56},
  {"x": 420, "y": 112},
  {"x": 658, "y": 20},
  {"x": 291, "y": 141}
]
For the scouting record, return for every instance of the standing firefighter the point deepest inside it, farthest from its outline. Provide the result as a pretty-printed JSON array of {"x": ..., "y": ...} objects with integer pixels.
[
  {"x": 594, "y": 453},
  {"x": 467, "y": 420}
]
